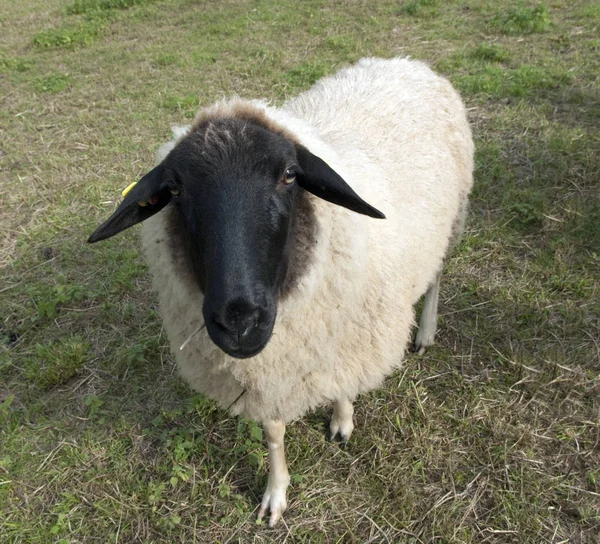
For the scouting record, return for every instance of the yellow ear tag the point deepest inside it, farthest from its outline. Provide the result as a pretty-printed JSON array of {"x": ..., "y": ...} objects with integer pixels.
[
  {"x": 127, "y": 189},
  {"x": 126, "y": 192}
]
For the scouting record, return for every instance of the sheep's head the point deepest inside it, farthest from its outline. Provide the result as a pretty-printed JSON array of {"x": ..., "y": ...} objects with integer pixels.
[{"x": 235, "y": 184}]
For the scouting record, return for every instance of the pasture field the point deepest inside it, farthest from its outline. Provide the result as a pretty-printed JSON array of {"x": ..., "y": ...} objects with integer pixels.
[{"x": 492, "y": 436}]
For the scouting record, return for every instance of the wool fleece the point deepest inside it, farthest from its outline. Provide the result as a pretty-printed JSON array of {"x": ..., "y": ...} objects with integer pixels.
[{"x": 399, "y": 136}]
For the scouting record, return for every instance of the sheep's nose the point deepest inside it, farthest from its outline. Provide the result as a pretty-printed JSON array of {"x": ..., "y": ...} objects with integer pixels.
[
  {"x": 241, "y": 325},
  {"x": 238, "y": 319}
]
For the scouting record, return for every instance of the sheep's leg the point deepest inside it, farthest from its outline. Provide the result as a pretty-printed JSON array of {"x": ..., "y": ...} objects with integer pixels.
[
  {"x": 341, "y": 421},
  {"x": 428, "y": 322},
  {"x": 274, "y": 498}
]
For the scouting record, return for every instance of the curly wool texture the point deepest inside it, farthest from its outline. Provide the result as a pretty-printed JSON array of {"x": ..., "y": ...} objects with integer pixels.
[{"x": 398, "y": 134}]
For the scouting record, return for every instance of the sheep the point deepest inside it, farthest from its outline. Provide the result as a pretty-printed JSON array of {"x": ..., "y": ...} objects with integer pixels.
[{"x": 272, "y": 275}]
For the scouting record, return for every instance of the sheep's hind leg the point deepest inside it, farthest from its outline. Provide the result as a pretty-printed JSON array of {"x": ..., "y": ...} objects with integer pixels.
[
  {"x": 341, "y": 421},
  {"x": 274, "y": 498},
  {"x": 428, "y": 321}
]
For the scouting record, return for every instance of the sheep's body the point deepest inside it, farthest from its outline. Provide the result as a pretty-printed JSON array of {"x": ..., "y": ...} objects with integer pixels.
[{"x": 398, "y": 134}]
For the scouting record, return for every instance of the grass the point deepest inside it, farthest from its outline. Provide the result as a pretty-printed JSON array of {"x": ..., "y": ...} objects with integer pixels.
[
  {"x": 492, "y": 436},
  {"x": 421, "y": 8},
  {"x": 53, "y": 83},
  {"x": 92, "y": 6},
  {"x": 521, "y": 19}
]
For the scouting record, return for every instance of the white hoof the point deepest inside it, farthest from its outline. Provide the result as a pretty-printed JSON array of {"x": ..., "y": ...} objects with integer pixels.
[
  {"x": 275, "y": 502},
  {"x": 425, "y": 338},
  {"x": 342, "y": 426}
]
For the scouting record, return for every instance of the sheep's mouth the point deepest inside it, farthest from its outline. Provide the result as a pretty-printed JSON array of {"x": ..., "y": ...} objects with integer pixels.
[
  {"x": 245, "y": 353},
  {"x": 242, "y": 346}
]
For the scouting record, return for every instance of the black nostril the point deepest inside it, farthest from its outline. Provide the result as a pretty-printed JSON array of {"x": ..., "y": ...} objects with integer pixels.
[
  {"x": 249, "y": 323},
  {"x": 239, "y": 319},
  {"x": 220, "y": 322}
]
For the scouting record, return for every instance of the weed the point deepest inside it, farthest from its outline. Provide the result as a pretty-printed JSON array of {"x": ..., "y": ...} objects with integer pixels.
[
  {"x": 498, "y": 82},
  {"x": 305, "y": 74},
  {"x": 69, "y": 37},
  {"x": 48, "y": 300},
  {"x": 421, "y": 8},
  {"x": 166, "y": 60},
  {"x": 16, "y": 64},
  {"x": 518, "y": 20},
  {"x": 339, "y": 44},
  {"x": 57, "y": 362},
  {"x": 491, "y": 52},
  {"x": 53, "y": 83},
  {"x": 527, "y": 214},
  {"x": 94, "y": 403},
  {"x": 5, "y": 410},
  {"x": 91, "y": 6},
  {"x": 186, "y": 105}
]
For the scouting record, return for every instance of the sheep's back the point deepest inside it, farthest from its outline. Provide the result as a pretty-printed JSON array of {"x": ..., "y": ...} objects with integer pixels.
[{"x": 404, "y": 144}]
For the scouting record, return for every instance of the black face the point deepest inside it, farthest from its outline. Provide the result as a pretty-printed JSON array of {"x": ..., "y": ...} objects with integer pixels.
[
  {"x": 235, "y": 200},
  {"x": 234, "y": 184}
]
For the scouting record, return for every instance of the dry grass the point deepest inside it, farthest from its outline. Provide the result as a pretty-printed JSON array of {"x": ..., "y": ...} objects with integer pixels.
[{"x": 492, "y": 436}]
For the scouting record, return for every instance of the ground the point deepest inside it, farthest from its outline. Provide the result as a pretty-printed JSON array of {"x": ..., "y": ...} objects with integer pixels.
[{"x": 492, "y": 436}]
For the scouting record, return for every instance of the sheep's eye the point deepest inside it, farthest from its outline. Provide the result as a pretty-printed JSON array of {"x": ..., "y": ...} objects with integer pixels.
[
  {"x": 175, "y": 191},
  {"x": 290, "y": 176}
]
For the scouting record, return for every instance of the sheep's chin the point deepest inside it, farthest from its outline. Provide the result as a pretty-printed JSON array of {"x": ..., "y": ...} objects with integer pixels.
[
  {"x": 241, "y": 351},
  {"x": 244, "y": 353}
]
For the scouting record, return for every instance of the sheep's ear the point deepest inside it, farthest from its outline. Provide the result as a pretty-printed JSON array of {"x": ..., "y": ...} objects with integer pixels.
[
  {"x": 319, "y": 179},
  {"x": 147, "y": 197}
]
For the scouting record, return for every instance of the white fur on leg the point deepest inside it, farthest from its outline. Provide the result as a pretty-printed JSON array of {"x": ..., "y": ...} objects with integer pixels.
[
  {"x": 428, "y": 322},
  {"x": 274, "y": 499},
  {"x": 341, "y": 420}
]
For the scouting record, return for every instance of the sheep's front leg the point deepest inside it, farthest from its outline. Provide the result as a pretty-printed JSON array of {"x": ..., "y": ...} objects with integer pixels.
[
  {"x": 341, "y": 421},
  {"x": 428, "y": 322},
  {"x": 274, "y": 498}
]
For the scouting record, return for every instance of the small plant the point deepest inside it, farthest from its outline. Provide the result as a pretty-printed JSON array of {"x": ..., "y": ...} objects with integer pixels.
[
  {"x": 187, "y": 104},
  {"x": 49, "y": 301},
  {"x": 69, "y": 37},
  {"x": 53, "y": 83},
  {"x": 166, "y": 60},
  {"x": 339, "y": 44},
  {"x": 491, "y": 52},
  {"x": 421, "y": 8},
  {"x": 60, "y": 525},
  {"x": 57, "y": 362},
  {"x": 526, "y": 214},
  {"x": 94, "y": 403},
  {"x": 89, "y": 6},
  {"x": 17, "y": 65},
  {"x": 524, "y": 81},
  {"x": 180, "y": 446},
  {"x": 5, "y": 410},
  {"x": 305, "y": 74},
  {"x": 250, "y": 436},
  {"x": 522, "y": 20}
]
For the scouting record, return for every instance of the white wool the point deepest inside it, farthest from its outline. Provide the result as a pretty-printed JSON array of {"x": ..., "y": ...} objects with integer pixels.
[{"x": 398, "y": 134}]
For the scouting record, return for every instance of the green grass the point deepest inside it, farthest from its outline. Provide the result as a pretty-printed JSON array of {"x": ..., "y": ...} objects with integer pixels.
[
  {"x": 526, "y": 80},
  {"x": 521, "y": 19},
  {"x": 68, "y": 37},
  {"x": 55, "y": 363},
  {"x": 53, "y": 83},
  {"x": 490, "y": 52},
  {"x": 305, "y": 74},
  {"x": 421, "y": 8},
  {"x": 492, "y": 436},
  {"x": 91, "y": 6}
]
